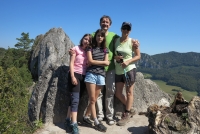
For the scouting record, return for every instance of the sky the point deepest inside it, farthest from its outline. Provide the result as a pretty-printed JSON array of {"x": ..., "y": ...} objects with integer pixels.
[{"x": 160, "y": 26}]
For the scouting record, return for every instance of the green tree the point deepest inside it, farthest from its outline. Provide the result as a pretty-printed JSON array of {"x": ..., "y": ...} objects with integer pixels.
[{"x": 24, "y": 42}]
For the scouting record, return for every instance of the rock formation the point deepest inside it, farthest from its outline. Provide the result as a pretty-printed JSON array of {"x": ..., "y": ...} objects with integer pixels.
[
  {"x": 50, "y": 64},
  {"x": 181, "y": 120}
]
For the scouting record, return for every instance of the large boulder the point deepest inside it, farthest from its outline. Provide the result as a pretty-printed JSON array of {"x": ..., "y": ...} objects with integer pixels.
[{"x": 50, "y": 64}]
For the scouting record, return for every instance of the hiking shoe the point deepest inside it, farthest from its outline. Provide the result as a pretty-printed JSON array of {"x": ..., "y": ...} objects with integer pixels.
[
  {"x": 101, "y": 127},
  {"x": 125, "y": 119},
  {"x": 132, "y": 112},
  {"x": 75, "y": 129},
  {"x": 68, "y": 126},
  {"x": 87, "y": 121}
]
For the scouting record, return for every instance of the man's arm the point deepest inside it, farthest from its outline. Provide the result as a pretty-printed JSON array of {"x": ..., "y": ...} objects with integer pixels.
[{"x": 135, "y": 43}]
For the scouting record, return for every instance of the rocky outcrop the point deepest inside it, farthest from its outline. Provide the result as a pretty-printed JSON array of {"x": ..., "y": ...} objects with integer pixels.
[
  {"x": 49, "y": 99},
  {"x": 163, "y": 120},
  {"x": 49, "y": 61}
]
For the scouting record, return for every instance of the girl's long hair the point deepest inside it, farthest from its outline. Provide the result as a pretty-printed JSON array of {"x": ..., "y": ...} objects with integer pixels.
[
  {"x": 103, "y": 34},
  {"x": 90, "y": 39}
]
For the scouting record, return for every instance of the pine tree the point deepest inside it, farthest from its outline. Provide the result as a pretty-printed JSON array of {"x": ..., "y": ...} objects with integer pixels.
[{"x": 24, "y": 42}]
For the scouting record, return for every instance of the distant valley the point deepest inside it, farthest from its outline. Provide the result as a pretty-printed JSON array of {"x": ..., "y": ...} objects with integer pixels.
[{"x": 177, "y": 69}]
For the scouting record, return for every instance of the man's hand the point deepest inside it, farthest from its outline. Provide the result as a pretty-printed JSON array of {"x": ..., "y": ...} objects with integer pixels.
[
  {"x": 71, "y": 52},
  {"x": 135, "y": 43}
]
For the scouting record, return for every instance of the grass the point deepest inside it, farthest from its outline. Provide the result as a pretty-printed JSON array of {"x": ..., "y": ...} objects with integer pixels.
[{"x": 173, "y": 90}]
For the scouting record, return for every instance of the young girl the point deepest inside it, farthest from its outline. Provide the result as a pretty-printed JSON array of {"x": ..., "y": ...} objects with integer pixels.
[
  {"x": 76, "y": 78},
  {"x": 95, "y": 74},
  {"x": 125, "y": 70}
]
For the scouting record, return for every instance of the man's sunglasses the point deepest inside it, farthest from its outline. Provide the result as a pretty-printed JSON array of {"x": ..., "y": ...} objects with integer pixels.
[{"x": 126, "y": 28}]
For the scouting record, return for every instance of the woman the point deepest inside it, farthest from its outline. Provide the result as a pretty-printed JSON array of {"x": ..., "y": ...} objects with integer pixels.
[
  {"x": 78, "y": 63},
  {"x": 95, "y": 74},
  {"x": 125, "y": 70}
]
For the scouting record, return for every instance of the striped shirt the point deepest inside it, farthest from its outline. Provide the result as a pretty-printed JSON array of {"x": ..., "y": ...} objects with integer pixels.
[{"x": 97, "y": 54}]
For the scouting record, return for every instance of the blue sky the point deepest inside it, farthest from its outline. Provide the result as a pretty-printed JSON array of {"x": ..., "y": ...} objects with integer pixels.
[{"x": 161, "y": 26}]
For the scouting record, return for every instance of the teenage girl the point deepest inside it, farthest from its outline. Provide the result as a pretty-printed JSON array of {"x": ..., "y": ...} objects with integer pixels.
[
  {"x": 78, "y": 64},
  {"x": 97, "y": 55}
]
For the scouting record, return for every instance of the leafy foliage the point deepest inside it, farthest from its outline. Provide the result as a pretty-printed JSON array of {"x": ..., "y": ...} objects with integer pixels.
[
  {"x": 13, "y": 102},
  {"x": 18, "y": 58}
]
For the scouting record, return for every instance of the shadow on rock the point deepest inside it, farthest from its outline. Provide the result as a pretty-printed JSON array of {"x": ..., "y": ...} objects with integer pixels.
[{"x": 138, "y": 130}]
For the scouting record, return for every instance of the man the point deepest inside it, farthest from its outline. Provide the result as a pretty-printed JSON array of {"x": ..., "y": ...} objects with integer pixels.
[{"x": 105, "y": 23}]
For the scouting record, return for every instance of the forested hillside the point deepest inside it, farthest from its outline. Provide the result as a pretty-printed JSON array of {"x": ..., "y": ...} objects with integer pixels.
[{"x": 178, "y": 69}]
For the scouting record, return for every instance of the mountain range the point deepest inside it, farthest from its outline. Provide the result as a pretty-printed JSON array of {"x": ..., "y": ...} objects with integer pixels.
[{"x": 178, "y": 69}]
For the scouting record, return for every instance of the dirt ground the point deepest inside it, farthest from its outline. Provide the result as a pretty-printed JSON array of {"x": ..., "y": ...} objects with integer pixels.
[{"x": 137, "y": 125}]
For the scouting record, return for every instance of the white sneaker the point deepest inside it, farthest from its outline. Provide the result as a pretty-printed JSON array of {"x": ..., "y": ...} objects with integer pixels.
[
  {"x": 111, "y": 122},
  {"x": 100, "y": 118}
]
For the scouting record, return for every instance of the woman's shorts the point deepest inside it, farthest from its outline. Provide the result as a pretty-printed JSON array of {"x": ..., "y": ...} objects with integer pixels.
[
  {"x": 95, "y": 78},
  {"x": 131, "y": 75}
]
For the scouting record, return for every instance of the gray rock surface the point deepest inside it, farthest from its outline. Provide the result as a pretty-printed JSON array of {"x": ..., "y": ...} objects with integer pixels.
[
  {"x": 49, "y": 99},
  {"x": 147, "y": 93}
]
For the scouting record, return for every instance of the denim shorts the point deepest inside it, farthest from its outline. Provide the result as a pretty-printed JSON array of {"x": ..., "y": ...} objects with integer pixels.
[{"x": 95, "y": 78}]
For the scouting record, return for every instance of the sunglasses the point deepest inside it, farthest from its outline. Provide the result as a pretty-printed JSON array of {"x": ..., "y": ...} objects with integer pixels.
[{"x": 126, "y": 28}]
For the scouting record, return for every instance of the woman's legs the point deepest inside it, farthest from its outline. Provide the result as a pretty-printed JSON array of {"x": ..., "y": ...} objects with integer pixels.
[
  {"x": 93, "y": 92},
  {"x": 129, "y": 94},
  {"x": 74, "y": 117},
  {"x": 74, "y": 106},
  {"x": 69, "y": 112},
  {"x": 71, "y": 120},
  {"x": 128, "y": 99},
  {"x": 119, "y": 92},
  {"x": 128, "y": 103}
]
